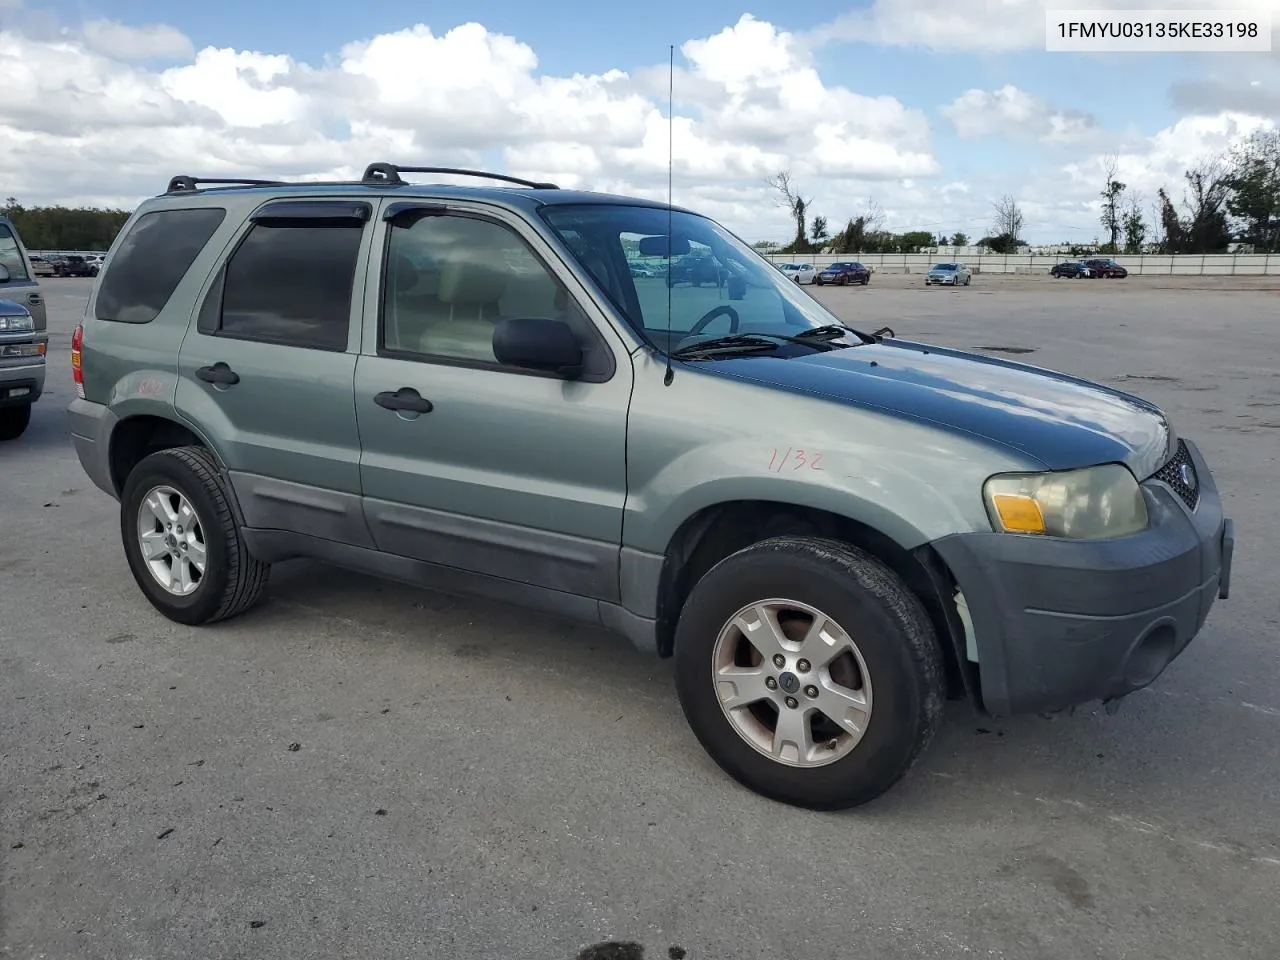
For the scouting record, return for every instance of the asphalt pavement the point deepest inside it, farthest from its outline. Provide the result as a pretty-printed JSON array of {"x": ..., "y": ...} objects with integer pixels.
[{"x": 360, "y": 769}]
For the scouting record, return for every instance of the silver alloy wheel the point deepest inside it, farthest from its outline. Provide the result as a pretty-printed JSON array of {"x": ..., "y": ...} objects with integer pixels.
[
  {"x": 792, "y": 682},
  {"x": 171, "y": 540}
]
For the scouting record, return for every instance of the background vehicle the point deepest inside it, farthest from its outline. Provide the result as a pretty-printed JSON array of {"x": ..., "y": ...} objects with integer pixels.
[
  {"x": 22, "y": 359},
  {"x": 74, "y": 265},
  {"x": 20, "y": 283},
  {"x": 695, "y": 269},
  {"x": 799, "y": 272},
  {"x": 948, "y": 274},
  {"x": 1069, "y": 268},
  {"x": 1105, "y": 267},
  {"x": 830, "y": 531},
  {"x": 40, "y": 267},
  {"x": 843, "y": 273}
]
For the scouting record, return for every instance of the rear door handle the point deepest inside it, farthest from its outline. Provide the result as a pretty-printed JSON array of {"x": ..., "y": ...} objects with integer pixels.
[
  {"x": 219, "y": 373},
  {"x": 405, "y": 399}
]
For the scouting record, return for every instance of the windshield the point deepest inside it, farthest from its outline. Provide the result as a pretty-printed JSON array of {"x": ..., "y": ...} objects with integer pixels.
[
  {"x": 714, "y": 279},
  {"x": 944, "y": 266}
]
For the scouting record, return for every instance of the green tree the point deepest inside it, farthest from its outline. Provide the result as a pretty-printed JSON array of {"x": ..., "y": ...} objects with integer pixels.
[
  {"x": 913, "y": 240},
  {"x": 65, "y": 228},
  {"x": 1001, "y": 243},
  {"x": 818, "y": 230},
  {"x": 789, "y": 196},
  {"x": 959, "y": 239},
  {"x": 1112, "y": 218},
  {"x": 1135, "y": 229},
  {"x": 1253, "y": 182}
]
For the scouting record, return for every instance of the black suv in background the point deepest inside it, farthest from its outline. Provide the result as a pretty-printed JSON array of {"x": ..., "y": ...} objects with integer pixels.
[
  {"x": 844, "y": 274},
  {"x": 74, "y": 265}
]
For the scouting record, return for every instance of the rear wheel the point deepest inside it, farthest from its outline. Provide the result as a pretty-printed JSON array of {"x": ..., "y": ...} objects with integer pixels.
[
  {"x": 182, "y": 542},
  {"x": 809, "y": 672},
  {"x": 13, "y": 421}
]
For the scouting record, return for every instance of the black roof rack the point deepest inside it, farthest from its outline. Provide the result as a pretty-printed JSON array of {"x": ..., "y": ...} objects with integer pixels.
[
  {"x": 388, "y": 174},
  {"x": 185, "y": 184}
]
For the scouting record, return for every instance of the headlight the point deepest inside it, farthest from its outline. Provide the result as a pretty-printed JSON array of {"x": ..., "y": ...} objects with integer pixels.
[
  {"x": 22, "y": 324},
  {"x": 1089, "y": 504}
]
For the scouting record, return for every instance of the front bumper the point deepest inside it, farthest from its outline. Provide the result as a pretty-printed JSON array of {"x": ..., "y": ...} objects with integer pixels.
[
  {"x": 1057, "y": 623},
  {"x": 22, "y": 378}
]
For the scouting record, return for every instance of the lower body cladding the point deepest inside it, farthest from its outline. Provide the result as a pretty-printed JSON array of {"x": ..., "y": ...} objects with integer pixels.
[{"x": 1057, "y": 623}]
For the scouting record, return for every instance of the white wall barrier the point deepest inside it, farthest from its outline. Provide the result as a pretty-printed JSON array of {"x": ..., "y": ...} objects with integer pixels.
[{"x": 1184, "y": 265}]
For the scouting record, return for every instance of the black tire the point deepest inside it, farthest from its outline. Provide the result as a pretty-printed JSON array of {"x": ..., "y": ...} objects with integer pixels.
[
  {"x": 13, "y": 421},
  {"x": 233, "y": 580},
  {"x": 866, "y": 282},
  {"x": 893, "y": 634}
]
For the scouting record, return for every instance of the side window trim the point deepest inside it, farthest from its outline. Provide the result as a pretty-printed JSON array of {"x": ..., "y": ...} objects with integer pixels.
[
  {"x": 322, "y": 212},
  {"x": 409, "y": 212}
]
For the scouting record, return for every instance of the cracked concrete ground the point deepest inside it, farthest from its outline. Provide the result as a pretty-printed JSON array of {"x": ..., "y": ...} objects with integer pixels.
[{"x": 471, "y": 781}]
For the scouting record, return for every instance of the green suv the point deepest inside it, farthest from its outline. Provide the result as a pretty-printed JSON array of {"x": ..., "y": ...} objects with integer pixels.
[{"x": 466, "y": 388}]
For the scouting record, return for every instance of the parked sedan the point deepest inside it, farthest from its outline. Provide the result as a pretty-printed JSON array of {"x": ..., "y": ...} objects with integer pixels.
[
  {"x": 40, "y": 267},
  {"x": 1069, "y": 268},
  {"x": 844, "y": 273},
  {"x": 799, "y": 272},
  {"x": 948, "y": 274},
  {"x": 1105, "y": 267}
]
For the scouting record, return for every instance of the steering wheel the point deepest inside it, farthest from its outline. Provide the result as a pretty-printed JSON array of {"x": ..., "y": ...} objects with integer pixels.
[{"x": 724, "y": 310}]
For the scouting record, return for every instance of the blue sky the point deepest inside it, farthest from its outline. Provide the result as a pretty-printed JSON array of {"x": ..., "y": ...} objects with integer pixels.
[{"x": 924, "y": 109}]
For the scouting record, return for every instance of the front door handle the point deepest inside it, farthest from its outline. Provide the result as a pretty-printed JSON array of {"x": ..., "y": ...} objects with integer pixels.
[
  {"x": 405, "y": 399},
  {"x": 219, "y": 373}
]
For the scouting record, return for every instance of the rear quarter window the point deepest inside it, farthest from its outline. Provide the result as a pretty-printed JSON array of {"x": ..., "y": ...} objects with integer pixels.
[{"x": 151, "y": 261}]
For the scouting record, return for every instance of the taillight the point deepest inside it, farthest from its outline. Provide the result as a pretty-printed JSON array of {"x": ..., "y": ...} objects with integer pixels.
[{"x": 77, "y": 374}]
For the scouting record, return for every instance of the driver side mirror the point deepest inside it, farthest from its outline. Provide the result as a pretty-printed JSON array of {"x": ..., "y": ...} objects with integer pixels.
[
  {"x": 4, "y": 273},
  {"x": 538, "y": 343}
]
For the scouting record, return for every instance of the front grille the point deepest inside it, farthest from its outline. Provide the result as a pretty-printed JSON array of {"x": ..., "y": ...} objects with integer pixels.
[{"x": 1180, "y": 474}]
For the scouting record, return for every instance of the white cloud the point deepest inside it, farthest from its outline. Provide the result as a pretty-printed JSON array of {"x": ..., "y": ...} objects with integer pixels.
[
  {"x": 1010, "y": 112},
  {"x": 751, "y": 102},
  {"x": 993, "y": 26},
  {"x": 89, "y": 116},
  {"x": 1064, "y": 203},
  {"x": 153, "y": 42}
]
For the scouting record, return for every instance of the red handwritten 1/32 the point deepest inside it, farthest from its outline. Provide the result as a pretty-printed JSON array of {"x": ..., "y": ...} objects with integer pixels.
[{"x": 797, "y": 459}]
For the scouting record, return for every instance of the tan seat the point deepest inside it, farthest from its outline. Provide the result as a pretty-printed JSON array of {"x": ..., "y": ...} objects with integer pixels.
[{"x": 460, "y": 322}]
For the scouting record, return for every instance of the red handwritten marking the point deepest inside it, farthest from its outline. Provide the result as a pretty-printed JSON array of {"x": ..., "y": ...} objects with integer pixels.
[{"x": 799, "y": 459}]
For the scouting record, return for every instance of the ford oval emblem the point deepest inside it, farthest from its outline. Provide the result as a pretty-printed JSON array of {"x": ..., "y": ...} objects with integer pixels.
[{"x": 1187, "y": 476}]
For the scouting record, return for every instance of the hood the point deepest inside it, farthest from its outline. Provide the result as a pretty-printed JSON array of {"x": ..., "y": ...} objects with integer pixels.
[
  {"x": 11, "y": 308},
  {"x": 1059, "y": 420}
]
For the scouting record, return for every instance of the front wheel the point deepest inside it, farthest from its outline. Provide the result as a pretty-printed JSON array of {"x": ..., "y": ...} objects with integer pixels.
[
  {"x": 809, "y": 672},
  {"x": 14, "y": 421},
  {"x": 182, "y": 542}
]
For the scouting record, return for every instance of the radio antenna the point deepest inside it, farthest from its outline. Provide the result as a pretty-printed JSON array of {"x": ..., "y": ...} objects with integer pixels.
[{"x": 671, "y": 138}]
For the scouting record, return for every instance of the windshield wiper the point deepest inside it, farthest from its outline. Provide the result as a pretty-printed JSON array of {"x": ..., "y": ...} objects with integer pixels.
[
  {"x": 730, "y": 343},
  {"x": 833, "y": 331}
]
